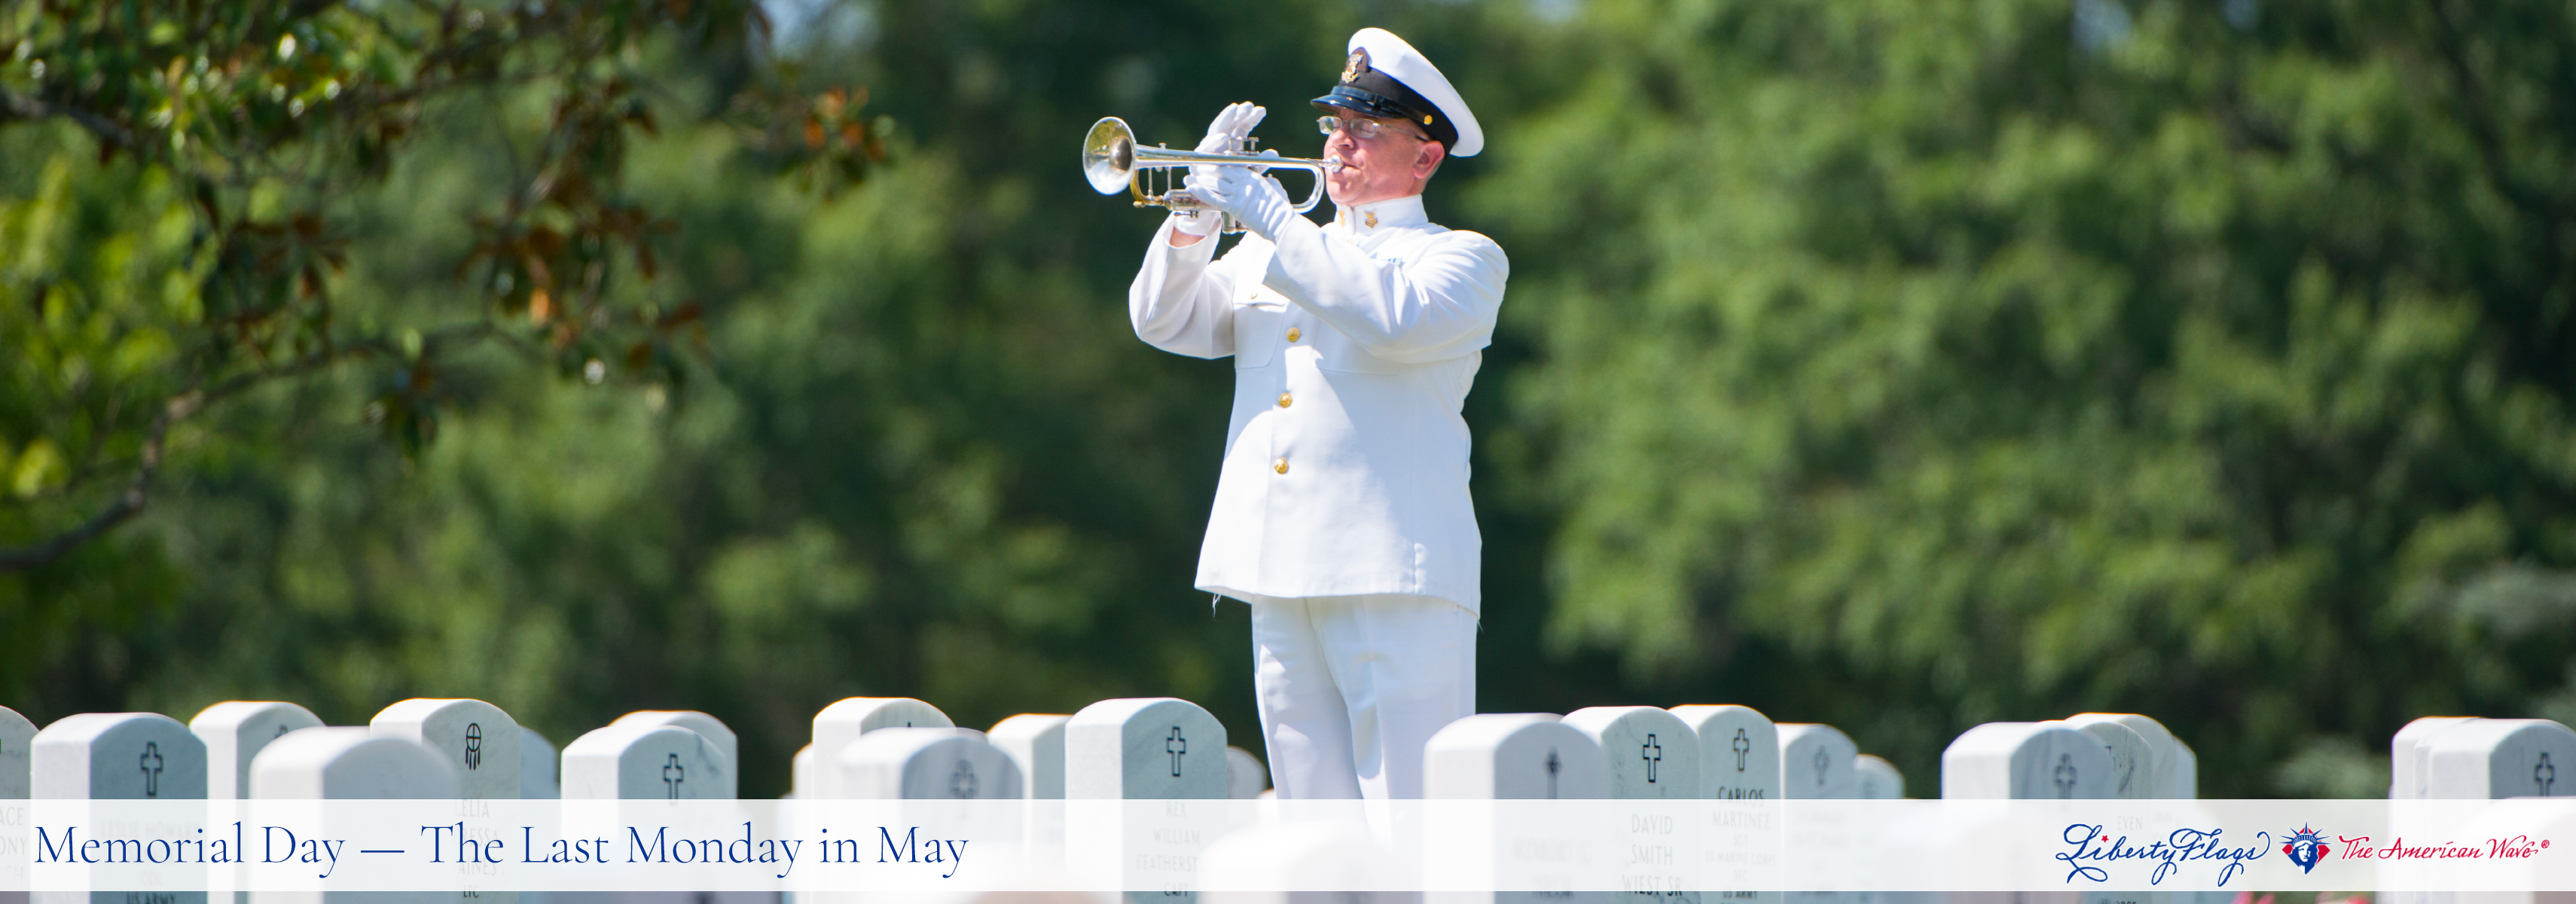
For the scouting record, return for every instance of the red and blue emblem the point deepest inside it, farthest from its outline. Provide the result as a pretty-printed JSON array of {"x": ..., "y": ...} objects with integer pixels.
[{"x": 2306, "y": 847}]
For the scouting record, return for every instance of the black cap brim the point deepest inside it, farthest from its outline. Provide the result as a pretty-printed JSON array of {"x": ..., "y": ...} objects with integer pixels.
[{"x": 1370, "y": 103}]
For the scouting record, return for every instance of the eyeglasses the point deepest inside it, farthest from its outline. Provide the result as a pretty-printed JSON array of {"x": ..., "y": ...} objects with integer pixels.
[{"x": 1363, "y": 129}]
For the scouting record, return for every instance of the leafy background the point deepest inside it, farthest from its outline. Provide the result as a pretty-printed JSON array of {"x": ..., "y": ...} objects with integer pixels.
[{"x": 1896, "y": 365}]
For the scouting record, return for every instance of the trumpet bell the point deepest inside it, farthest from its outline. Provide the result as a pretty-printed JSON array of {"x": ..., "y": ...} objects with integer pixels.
[{"x": 1109, "y": 156}]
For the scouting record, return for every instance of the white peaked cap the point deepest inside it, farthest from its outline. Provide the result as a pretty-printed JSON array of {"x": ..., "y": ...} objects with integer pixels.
[{"x": 1392, "y": 57}]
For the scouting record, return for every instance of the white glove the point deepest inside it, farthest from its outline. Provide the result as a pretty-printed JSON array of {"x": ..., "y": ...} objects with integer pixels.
[
  {"x": 1256, "y": 200},
  {"x": 1225, "y": 134}
]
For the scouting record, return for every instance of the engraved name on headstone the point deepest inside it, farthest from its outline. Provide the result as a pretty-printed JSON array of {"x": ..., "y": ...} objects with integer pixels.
[
  {"x": 234, "y": 732},
  {"x": 1144, "y": 748},
  {"x": 1739, "y": 752},
  {"x": 1650, "y": 755},
  {"x": 482, "y": 743},
  {"x": 117, "y": 756},
  {"x": 1515, "y": 756},
  {"x": 1739, "y": 760}
]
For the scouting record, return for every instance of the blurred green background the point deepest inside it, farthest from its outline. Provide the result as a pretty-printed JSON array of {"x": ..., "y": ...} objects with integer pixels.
[{"x": 1896, "y": 365}]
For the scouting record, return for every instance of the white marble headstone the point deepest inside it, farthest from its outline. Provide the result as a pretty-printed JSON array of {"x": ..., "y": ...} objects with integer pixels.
[
  {"x": 803, "y": 780},
  {"x": 349, "y": 764},
  {"x": 709, "y": 727},
  {"x": 645, "y": 762},
  {"x": 480, "y": 740},
  {"x": 1874, "y": 778},
  {"x": 2025, "y": 761},
  {"x": 2132, "y": 763},
  {"x": 117, "y": 756},
  {"x": 15, "y": 734},
  {"x": 1816, "y": 762},
  {"x": 234, "y": 732},
  {"x": 2173, "y": 770},
  {"x": 1035, "y": 741},
  {"x": 1514, "y": 756},
  {"x": 926, "y": 764},
  {"x": 1739, "y": 752},
  {"x": 1144, "y": 748},
  {"x": 844, "y": 721},
  {"x": 2497, "y": 758},
  {"x": 1245, "y": 776},
  {"x": 2405, "y": 754},
  {"x": 540, "y": 767},
  {"x": 1651, "y": 754}
]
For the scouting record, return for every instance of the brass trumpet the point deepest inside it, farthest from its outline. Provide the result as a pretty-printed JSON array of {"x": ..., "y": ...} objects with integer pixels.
[{"x": 1111, "y": 159}]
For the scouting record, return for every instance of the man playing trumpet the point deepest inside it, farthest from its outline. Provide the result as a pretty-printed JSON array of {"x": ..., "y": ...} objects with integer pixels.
[{"x": 1342, "y": 513}]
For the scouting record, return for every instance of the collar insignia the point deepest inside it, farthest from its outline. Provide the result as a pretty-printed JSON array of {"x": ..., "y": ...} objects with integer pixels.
[{"x": 1359, "y": 63}]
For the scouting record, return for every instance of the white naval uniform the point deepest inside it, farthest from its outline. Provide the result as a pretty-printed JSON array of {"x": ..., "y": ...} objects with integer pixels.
[{"x": 1342, "y": 512}]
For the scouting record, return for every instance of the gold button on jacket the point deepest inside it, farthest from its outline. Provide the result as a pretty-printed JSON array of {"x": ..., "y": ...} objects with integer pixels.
[
  {"x": 1280, "y": 466},
  {"x": 1284, "y": 400},
  {"x": 1292, "y": 334}
]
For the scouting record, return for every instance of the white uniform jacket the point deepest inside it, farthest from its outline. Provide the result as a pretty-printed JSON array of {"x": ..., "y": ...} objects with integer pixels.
[{"x": 1354, "y": 345}]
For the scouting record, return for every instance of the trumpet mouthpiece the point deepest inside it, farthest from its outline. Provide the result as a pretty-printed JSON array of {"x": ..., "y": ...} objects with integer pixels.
[{"x": 1333, "y": 163}]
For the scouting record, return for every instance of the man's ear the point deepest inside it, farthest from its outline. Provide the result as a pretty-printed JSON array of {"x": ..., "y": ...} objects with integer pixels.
[{"x": 1428, "y": 161}]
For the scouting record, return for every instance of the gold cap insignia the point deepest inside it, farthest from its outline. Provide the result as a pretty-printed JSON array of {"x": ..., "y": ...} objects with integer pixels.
[{"x": 1359, "y": 63}]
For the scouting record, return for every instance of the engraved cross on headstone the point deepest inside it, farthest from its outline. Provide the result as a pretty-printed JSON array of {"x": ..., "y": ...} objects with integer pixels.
[
  {"x": 1176, "y": 745},
  {"x": 151, "y": 762},
  {"x": 962, "y": 785},
  {"x": 1823, "y": 763},
  {"x": 673, "y": 774},
  {"x": 2065, "y": 776},
  {"x": 1742, "y": 745},
  {"x": 473, "y": 745},
  {"x": 1653, "y": 753},
  {"x": 2544, "y": 776},
  {"x": 1553, "y": 764}
]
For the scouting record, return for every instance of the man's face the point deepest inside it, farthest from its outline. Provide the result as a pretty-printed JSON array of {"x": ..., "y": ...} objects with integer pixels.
[{"x": 1393, "y": 164}]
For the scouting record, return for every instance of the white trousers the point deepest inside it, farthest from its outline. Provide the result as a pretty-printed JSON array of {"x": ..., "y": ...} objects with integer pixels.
[{"x": 1352, "y": 687}]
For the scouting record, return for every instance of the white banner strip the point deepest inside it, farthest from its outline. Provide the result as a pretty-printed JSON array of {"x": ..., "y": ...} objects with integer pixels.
[{"x": 1731, "y": 849}]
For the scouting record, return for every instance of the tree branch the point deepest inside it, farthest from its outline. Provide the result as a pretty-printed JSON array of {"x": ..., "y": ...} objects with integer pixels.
[
  {"x": 15, "y": 106},
  {"x": 138, "y": 490},
  {"x": 128, "y": 504}
]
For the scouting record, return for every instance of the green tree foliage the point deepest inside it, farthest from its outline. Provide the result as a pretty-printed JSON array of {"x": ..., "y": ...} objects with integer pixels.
[
  {"x": 2002, "y": 358},
  {"x": 1896, "y": 365},
  {"x": 197, "y": 260}
]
